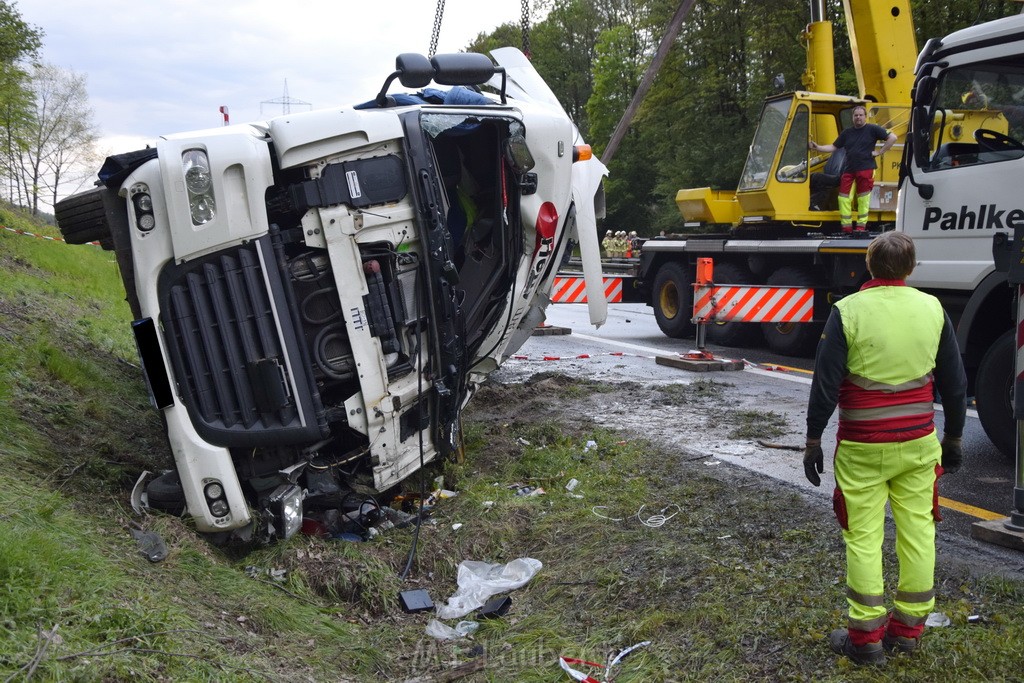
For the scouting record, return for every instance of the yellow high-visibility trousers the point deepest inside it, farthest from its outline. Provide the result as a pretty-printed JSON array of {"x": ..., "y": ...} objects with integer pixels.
[{"x": 904, "y": 474}]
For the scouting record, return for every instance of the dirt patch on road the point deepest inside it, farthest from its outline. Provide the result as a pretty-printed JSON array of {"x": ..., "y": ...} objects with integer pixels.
[{"x": 705, "y": 423}]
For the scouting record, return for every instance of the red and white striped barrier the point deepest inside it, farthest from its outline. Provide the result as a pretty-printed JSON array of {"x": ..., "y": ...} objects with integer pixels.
[
  {"x": 753, "y": 304},
  {"x": 572, "y": 290},
  {"x": 26, "y": 233}
]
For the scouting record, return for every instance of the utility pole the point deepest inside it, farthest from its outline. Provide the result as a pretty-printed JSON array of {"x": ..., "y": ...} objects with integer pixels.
[
  {"x": 648, "y": 79},
  {"x": 285, "y": 101}
]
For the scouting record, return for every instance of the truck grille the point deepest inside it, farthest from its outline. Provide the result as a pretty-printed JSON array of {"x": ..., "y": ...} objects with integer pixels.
[{"x": 239, "y": 368}]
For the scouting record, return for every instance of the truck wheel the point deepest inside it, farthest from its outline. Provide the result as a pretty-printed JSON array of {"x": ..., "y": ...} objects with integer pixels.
[
  {"x": 733, "y": 333},
  {"x": 165, "y": 493},
  {"x": 82, "y": 218},
  {"x": 993, "y": 394},
  {"x": 792, "y": 339},
  {"x": 673, "y": 300}
]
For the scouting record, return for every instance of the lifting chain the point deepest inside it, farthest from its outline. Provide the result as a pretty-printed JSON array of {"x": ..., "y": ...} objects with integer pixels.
[
  {"x": 438, "y": 17},
  {"x": 526, "y": 28}
]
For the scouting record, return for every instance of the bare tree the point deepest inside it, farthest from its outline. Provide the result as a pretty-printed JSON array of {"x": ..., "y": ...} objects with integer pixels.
[{"x": 58, "y": 142}]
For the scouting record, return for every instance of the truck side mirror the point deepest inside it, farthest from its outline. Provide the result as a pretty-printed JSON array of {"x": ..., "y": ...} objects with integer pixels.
[
  {"x": 921, "y": 132},
  {"x": 412, "y": 70},
  {"x": 415, "y": 70},
  {"x": 466, "y": 68},
  {"x": 462, "y": 68}
]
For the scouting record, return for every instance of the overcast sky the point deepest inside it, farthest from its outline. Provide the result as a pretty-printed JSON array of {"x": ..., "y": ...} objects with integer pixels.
[{"x": 166, "y": 66}]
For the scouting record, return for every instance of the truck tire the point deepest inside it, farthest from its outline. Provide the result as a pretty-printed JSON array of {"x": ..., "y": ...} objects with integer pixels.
[
  {"x": 82, "y": 218},
  {"x": 673, "y": 300},
  {"x": 792, "y": 339},
  {"x": 165, "y": 493},
  {"x": 993, "y": 394},
  {"x": 733, "y": 333}
]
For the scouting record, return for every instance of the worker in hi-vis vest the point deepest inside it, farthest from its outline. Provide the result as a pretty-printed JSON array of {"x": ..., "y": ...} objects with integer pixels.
[{"x": 883, "y": 354}]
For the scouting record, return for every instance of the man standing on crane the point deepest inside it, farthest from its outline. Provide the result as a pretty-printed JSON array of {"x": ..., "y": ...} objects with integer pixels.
[
  {"x": 859, "y": 170},
  {"x": 883, "y": 353}
]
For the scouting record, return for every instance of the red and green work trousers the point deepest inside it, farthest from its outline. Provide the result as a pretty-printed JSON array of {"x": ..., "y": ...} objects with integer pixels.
[
  {"x": 863, "y": 181},
  {"x": 867, "y": 476}
]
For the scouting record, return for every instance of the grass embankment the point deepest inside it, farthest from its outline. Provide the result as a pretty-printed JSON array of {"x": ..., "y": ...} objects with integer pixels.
[{"x": 742, "y": 581}]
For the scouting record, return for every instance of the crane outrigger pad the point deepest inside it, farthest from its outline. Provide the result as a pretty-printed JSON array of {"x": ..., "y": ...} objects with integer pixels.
[{"x": 699, "y": 362}]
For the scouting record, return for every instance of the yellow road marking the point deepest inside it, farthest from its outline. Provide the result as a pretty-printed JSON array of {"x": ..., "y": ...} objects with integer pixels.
[
  {"x": 969, "y": 509},
  {"x": 776, "y": 366}
]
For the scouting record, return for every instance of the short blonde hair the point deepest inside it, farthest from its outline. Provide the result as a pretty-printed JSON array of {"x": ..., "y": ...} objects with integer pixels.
[{"x": 891, "y": 256}]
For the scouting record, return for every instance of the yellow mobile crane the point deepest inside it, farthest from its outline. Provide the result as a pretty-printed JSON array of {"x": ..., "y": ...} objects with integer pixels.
[
  {"x": 782, "y": 185},
  {"x": 960, "y": 185},
  {"x": 780, "y": 226}
]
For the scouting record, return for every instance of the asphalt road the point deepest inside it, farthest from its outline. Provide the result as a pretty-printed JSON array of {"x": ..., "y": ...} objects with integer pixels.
[{"x": 625, "y": 349}]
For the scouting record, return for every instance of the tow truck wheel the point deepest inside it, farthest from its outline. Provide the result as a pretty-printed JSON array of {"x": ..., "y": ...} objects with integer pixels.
[
  {"x": 994, "y": 394},
  {"x": 673, "y": 300},
  {"x": 792, "y": 339},
  {"x": 732, "y": 333}
]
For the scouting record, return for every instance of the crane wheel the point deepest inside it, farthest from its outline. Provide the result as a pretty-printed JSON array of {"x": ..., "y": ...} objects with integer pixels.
[{"x": 673, "y": 300}]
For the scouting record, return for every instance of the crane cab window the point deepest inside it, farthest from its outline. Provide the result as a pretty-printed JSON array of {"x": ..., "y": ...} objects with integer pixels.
[
  {"x": 793, "y": 160},
  {"x": 769, "y": 132}
]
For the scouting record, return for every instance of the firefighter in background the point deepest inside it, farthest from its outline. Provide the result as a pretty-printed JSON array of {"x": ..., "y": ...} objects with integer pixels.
[
  {"x": 606, "y": 243},
  {"x": 859, "y": 168},
  {"x": 882, "y": 353}
]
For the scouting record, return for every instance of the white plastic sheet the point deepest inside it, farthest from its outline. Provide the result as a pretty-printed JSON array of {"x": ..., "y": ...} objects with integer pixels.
[
  {"x": 480, "y": 580},
  {"x": 445, "y": 632}
]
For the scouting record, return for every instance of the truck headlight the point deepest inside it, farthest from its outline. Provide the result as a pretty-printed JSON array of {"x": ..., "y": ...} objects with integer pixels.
[
  {"x": 286, "y": 506},
  {"x": 215, "y": 499},
  {"x": 142, "y": 202},
  {"x": 199, "y": 184}
]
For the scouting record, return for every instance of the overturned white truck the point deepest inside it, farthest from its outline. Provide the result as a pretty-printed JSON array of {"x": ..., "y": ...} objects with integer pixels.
[{"x": 316, "y": 297}]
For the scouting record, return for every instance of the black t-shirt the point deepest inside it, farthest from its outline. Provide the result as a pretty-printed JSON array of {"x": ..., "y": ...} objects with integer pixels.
[{"x": 859, "y": 143}]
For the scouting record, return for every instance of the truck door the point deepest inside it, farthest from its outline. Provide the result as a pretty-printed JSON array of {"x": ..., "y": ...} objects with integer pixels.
[{"x": 968, "y": 149}]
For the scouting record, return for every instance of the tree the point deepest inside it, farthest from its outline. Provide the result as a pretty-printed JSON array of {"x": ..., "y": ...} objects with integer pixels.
[
  {"x": 19, "y": 43},
  {"x": 58, "y": 141},
  {"x": 621, "y": 57},
  {"x": 697, "y": 122}
]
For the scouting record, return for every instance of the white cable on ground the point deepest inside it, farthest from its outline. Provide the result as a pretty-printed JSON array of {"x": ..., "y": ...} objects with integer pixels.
[
  {"x": 659, "y": 519},
  {"x": 604, "y": 507}
]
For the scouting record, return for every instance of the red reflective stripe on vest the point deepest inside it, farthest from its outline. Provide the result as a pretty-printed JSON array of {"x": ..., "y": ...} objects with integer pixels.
[{"x": 881, "y": 428}]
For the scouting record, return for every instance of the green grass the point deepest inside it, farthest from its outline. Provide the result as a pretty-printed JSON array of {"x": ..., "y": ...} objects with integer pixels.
[{"x": 743, "y": 580}]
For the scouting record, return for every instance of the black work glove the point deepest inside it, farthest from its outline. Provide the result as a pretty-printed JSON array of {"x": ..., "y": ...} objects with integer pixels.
[
  {"x": 952, "y": 453},
  {"x": 814, "y": 461}
]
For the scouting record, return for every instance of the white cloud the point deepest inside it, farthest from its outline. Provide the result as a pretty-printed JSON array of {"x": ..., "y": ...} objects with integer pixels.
[{"x": 159, "y": 67}]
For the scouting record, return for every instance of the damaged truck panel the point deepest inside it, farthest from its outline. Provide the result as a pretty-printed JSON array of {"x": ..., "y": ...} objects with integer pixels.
[{"x": 317, "y": 297}]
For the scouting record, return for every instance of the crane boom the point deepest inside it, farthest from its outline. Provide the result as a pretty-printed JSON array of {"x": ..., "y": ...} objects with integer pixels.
[{"x": 884, "y": 48}]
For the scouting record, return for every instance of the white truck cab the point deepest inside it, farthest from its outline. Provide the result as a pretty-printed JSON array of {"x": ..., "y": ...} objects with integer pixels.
[
  {"x": 316, "y": 297},
  {"x": 960, "y": 186}
]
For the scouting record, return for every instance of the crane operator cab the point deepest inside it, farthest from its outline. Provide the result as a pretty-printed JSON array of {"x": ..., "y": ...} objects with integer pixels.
[{"x": 786, "y": 188}]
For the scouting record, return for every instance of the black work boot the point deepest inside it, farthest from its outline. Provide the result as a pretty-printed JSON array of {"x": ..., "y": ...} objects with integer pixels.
[{"x": 869, "y": 653}]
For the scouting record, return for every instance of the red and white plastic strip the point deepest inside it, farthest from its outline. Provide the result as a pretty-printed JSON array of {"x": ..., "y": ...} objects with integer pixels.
[
  {"x": 577, "y": 675},
  {"x": 26, "y": 233},
  {"x": 578, "y": 357}
]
